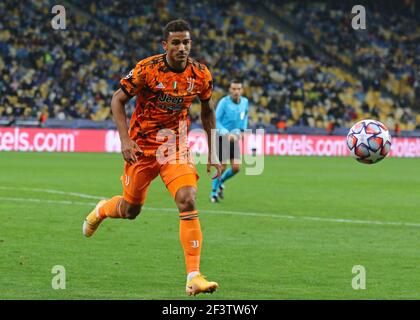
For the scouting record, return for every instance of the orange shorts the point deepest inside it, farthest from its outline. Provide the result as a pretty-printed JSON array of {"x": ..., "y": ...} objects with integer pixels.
[{"x": 137, "y": 177}]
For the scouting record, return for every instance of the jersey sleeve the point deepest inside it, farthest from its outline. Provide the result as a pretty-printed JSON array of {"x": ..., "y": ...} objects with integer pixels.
[
  {"x": 134, "y": 81},
  {"x": 207, "y": 89},
  {"x": 220, "y": 111}
]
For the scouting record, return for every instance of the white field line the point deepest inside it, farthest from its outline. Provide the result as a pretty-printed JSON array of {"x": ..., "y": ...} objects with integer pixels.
[
  {"x": 223, "y": 212},
  {"x": 75, "y": 194},
  {"x": 66, "y": 202}
]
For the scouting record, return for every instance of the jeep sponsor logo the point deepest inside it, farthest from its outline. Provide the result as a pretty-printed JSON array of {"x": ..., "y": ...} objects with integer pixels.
[
  {"x": 171, "y": 102},
  {"x": 170, "y": 99}
]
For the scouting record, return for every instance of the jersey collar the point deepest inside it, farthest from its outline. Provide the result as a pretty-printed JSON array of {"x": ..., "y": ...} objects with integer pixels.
[
  {"x": 240, "y": 98},
  {"x": 173, "y": 69}
]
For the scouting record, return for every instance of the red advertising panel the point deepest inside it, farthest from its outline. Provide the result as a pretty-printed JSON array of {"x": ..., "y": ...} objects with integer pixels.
[{"x": 79, "y": 140}]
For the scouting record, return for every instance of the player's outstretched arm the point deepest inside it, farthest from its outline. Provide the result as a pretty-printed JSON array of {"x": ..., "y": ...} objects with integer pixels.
[
  {"x": 208, "y": 119},
  {"x": 128, "y": 147}
]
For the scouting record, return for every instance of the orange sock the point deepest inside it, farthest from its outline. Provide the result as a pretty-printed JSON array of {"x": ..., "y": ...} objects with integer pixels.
[
  {"x": 191, "y": 239},
  {"x": 111, "y": 208}
]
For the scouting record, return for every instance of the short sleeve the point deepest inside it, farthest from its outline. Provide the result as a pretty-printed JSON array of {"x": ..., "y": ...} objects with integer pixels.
[
  {"x": 207, "y": 90},
  {"x": 134, "y": 81}
]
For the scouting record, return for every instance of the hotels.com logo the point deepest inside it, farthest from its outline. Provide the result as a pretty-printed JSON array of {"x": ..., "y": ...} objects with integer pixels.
[{"x": 36, "y": 140}]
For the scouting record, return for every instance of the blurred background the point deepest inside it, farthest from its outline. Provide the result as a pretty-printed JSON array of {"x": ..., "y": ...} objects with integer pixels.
[{"x": 304, "y": 68}]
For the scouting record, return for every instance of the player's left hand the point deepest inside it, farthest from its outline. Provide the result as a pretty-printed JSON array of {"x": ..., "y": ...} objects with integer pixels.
[{"x": 215, "y": 164}]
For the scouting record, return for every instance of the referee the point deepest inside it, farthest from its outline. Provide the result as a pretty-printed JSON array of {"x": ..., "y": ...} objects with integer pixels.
[{"x": 231, "y": 120}]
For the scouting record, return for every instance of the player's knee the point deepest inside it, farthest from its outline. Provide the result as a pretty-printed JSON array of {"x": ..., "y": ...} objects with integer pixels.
[
  {"x": 185, "y": 199},
  {"x": 132, "y": 211},
  {"x": 187, "y": 204}
]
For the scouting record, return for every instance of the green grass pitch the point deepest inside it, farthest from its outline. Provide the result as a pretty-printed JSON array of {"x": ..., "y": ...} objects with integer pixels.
[{"x": 294, "y": 232}]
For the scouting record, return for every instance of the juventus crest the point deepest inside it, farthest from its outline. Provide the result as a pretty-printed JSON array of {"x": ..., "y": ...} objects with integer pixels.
[{"x": 190, "y": 82}]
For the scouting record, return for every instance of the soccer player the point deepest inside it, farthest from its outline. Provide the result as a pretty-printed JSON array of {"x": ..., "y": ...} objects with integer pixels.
[
  {"x": 231, "y": 120},
  {"x": 165, "y": 86}
]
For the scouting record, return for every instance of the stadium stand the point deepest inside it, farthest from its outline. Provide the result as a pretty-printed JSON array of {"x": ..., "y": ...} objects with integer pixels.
[
  {"x": 385, "y": 56},
  {"x": 52, "y": 75}
]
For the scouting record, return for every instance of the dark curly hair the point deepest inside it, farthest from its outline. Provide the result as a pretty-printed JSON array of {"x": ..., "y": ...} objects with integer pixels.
[{"x": 175, "y": 26}]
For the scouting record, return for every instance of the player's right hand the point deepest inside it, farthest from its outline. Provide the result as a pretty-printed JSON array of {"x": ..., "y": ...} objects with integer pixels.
[{"x": 130, "y": 150}]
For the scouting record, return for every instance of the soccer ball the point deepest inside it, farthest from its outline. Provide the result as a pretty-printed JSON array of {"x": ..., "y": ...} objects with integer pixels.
[{"x": 369, "y": 141}]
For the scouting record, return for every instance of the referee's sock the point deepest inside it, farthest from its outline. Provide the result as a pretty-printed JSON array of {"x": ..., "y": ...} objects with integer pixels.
[
  {"x": 227, "y": 174},
  {"x": 215, "y": 187}
]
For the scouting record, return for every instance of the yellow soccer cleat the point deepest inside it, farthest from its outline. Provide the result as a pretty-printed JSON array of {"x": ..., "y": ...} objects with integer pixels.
[
  {"x": 199, "y": 284},
  {"x": 93, "y": 220}
]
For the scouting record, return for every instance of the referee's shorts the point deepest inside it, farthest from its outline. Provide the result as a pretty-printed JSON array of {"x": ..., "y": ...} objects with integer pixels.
[{"x": 227, "y": 150}]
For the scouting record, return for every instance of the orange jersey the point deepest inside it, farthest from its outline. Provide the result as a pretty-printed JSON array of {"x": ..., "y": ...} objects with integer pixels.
[{"x": 164, "y": 96}]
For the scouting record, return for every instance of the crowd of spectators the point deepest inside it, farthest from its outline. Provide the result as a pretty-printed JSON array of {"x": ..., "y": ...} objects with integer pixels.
[
  {"x": 62, "y": 74},
  {"x": 72, "y": 73},
  {"x": 386, "y": 54}
]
